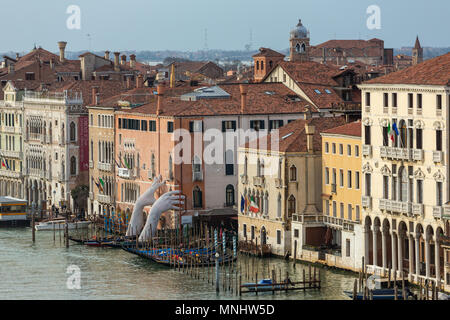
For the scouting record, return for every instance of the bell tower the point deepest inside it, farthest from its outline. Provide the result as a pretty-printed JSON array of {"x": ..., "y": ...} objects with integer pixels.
[
  {"x": 417, "y": 53},
  {"x": 299, "y": 43}
]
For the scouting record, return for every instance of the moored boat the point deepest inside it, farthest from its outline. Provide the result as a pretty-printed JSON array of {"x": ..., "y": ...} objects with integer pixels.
[
  {"x": 381, "y": 294},
  {"x": 60, "y": 225}
]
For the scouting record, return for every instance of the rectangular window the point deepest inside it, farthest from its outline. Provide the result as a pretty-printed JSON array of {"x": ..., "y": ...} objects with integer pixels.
[
  {"x": 368, "y": 185},
  {"x": 333, "y": 148},
  {"x": 347, "y": 247},
  {"x": 341, "y": 149},
  {"x": 385, "y": 187},
  {"x": 196, "y": 126},
  {"x": 170, "y": 126},
  {"x": 394, "y": 100},
  {"x": 410, "y": 100},
  {"x": 439, "y": 193},
  {"x": 367, "y": 99},
  {"x": 419, "y": 138},
  {"x": 152, "y": 125},
  {"x": 143, "y": 125},
  {"x": 245, "y": 231},
  {"x": 385, "y": 100},
  {"x": 367, "y": 135},
  {"x": 295, "y": 233},
  {"x": 327, "y": 147},
  {"x": 349, "y": 212},
  {"x": 341, "y": 178},
  {"x": 385, "y": 137},
  {"x": 357, "y": 180},
  {"x": 275, "y": 124},
  {"x": 257, "y": 125},
  {"x": 229, "y": 125},
  {"x": 439, "y": 102},
  {"x": 349, "y": 150},
  {"x": 419, "y": 100},
  {"x": 334, "y": 209},
  {"x": 439, "y": 140},
  {"x": 278, "y": 236},
  {"x": 342, "y": 210},
  {"x": 419, "y": 191},
  {"x": 327, "y": 207},
  {"x": 327, "y": 176},
  {"x": 349, "y": 179},
  {"x": 253, "y": 232},
  {"x": 357, "y": 217}
]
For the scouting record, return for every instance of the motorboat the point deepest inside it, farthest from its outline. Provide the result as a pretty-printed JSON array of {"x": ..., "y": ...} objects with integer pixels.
[{"x": 60, "y": 225}]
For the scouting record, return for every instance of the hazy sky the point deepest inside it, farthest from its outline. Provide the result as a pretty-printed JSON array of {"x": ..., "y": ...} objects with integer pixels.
[{"x": 181, "y": 24}]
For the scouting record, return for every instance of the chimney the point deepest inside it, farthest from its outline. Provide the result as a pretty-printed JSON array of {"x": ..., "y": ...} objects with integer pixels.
[
  {"x": 107, "y": 55},
  {"x": 123, "y": 60},
  {"x": 310, "y": 129},
  {"x": 17, "y": 56},
  {"x": 62, "y": 49},
  {"x": 161, "y": 89},
  {"x": 116, "y": 61},
  {"x": 140, "y": 82},
  {"x": 95, "y": 95},
  {"x": 132, "y": 60},
  {"x": 308, "y": 114},
  {"x": 243, "y": 88}
]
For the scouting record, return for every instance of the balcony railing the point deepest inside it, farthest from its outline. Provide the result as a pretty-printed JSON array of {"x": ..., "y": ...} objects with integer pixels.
[
  {"x": 437, "y": 156},
  {"x": 307, "y": 218},
  {"x": 104, "y": 198},
  {"x": 437, "y": 212},
  {"x": 395, "y": 206},
  {"x": 197, "y": 176},
  {"x": 104, "y": 166},
  {"x": 417, "y": 209},
  {"x": 124, "y": 173},
  {"x": 12, "y": 154},
  {"x": 366, "y": 202},
  {"x": 10, "y": 174},
  {"x": 401, "y": 153},
  {"x": 258, "y": 181},
  {"x": 366, "y": 150}
]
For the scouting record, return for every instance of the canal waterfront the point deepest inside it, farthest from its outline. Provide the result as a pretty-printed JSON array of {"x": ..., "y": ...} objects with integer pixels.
[{"x": 38, "y": 271}]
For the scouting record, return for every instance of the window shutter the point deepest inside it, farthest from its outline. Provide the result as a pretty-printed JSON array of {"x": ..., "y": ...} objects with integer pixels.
[
  {"x": 262, "y": 122},
  {"x": 233, "y": 123},
  {"x": 223, "y": 126},
  {"x": 191, "y": 126}
]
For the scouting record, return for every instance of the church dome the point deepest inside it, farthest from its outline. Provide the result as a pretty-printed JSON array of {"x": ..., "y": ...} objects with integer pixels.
[{"x": 299, "y": 32}]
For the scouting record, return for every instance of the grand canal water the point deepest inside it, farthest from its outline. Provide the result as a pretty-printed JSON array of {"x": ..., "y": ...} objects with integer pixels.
[{"x": 38, "y": 271}]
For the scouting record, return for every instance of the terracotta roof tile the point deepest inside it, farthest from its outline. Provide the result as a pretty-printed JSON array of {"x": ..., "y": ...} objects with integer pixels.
[{"x": 349, "y": 129}]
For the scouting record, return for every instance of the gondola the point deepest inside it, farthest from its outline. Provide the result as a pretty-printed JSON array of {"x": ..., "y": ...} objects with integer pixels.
[{"x": 382, "y": 294}]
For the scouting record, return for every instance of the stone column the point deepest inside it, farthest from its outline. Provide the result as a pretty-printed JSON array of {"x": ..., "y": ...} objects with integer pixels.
[
  {"x": 427, "y": 256},
  {"x": 375, "y": 244},
  {"x": 437, "y": 260},
  {"x": 383, "y": 248},
  {"x": 411, "y": 258},
  {"x": 394, "y": 251},
  {"x": 400, "y": 251},
  {"x": 417, "y": 260},
  {"x": 366, "y": 245}
]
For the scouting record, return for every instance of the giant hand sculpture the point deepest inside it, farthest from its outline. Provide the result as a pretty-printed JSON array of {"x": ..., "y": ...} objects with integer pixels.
[
  {"x": 146, "y": 199},
  {"x": 167, "y": 201}
]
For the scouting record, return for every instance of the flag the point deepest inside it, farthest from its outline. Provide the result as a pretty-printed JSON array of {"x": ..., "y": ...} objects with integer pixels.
[
  {"x": 98, "y": 186},
  {"x": 101, "y": 181},
  {"x": 242, "y": 204},
  {"x": 117, "y": 164},
  {"x": 390, "y": 132},
  {"x": 253, "y": 206},
  {"x": 3, "y": 163},
  {"x": 126, "y": 163},
  {"x": 394, "y": 126}
]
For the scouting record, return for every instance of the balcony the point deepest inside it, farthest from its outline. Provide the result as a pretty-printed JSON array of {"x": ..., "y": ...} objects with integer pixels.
[
  {"x": 104, "y": 198},
  {"x": 366, "y": 150},
  {"x": 10, "y": 174},
  {"x": 437, "y": 156},
  {"x": 151, "y": 174},
  {"x": 417, "y": 209},
  {"x": 197, "y": 176},
  {"x": 366, "y": 202},
  {"x": 417, "y": 154},
  {"x": 278, "y": 183},
  {"x": 395, "y": 206},
  {"x": 244, "y": 179},
  {"x": 104, "y": 166},
  {"x": 12, "y": 154},
  {"x": 124, "y": 173},
  {"x": 7, "y": 129},
  {"x": 437, "y": 212},
  {"x": 258, "y": 181}
]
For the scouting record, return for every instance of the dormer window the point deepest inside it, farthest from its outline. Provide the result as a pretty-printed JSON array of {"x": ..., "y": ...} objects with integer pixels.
[{"x": 29, "y": 76}]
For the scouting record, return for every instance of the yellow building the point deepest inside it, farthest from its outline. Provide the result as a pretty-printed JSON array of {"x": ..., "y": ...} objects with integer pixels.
[
  {"x": 341, "y": 193},
  {"x": 281, "y": 173}
]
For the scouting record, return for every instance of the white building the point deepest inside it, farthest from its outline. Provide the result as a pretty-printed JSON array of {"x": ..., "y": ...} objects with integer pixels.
[{"x": 406, "y": 181}]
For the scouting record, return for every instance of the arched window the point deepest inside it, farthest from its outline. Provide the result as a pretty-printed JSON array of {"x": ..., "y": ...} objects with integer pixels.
[
  {"x": 291, "y": 205},
  {"x": 245, "y": 165},
  {"x": 270, "y": 64},
  {"x": 293, "y": 173},
  {"x": 230, "y": 195},
  {"x": 196, "y": 169},
  {"x": 257, "y": 65},
  {"x": 229, "y": 163},
  {"x": 73, "y": 165},
  {"x": 258, "y": 168},
  {"x": 280, "y": 162},
  {"x": 303, "y": 48},
  {"x": 266, "y": 203},
  {"x": 297, "y": 47},
  {"x": 403, "y": 143},
  {"x": 197, "y": 197},
  {"x": 170, "y": 168},
  {"x": 152, "y": 166},
  {"x": 262, "y": 65}
]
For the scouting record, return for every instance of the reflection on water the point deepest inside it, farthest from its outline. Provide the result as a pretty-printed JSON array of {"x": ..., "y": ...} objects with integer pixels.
[{"x": 38, "y": 271}]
